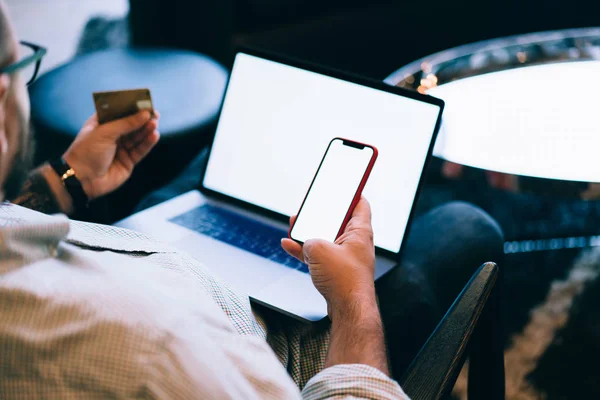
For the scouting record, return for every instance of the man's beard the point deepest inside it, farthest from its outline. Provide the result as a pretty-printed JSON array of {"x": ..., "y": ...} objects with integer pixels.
[{"x": 21, "y": 166}]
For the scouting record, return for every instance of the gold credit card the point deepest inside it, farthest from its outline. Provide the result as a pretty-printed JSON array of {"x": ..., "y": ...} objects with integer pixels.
[{"x": 121, "y": 104}]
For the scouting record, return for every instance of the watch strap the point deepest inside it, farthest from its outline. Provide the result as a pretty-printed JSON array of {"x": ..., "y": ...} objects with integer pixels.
[{"x": 69, "y": 179}]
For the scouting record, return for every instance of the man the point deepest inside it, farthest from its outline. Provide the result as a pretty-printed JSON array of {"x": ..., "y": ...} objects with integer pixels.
[{"x": 93, "y": 311}]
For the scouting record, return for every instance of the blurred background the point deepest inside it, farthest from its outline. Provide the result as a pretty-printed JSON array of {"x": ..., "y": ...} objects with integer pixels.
[
  {"x": 58, "y": 24},
  {"x": 552, "y": 226},
  {"x": 372, "y": 38}
]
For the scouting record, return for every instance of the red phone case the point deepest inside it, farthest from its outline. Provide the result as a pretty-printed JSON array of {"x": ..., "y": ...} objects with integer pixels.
[{"x": 358, "y": 193}]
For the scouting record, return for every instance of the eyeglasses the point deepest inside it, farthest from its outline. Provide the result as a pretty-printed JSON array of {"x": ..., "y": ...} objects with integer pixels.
[{"x": 30, "y": 59}]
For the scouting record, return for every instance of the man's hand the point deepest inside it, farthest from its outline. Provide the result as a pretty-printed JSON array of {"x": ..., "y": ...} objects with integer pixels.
[
  {"x": 103, "y": 156},
  {"x": 342, "y": 271}
]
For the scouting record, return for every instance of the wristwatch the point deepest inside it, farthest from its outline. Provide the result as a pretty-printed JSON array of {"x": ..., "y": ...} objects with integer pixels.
[{"x": 69, "y": 179}]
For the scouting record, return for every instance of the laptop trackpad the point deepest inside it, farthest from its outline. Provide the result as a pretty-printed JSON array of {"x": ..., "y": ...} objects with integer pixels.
[
  {"x": 296, "y": 294},
  {"x": 244, "y": 272}
]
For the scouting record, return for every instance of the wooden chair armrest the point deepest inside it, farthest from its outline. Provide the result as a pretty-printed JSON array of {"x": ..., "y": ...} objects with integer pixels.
[{"x": 468, "y": 324}]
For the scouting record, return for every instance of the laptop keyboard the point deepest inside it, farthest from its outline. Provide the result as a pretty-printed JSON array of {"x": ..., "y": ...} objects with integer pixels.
[{"x": 239, "y": 231}]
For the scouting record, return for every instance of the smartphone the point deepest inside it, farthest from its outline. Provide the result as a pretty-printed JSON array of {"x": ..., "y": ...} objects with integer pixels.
[
  {"x": 334, "y": 192},
  {"x": 122, "y": 103}
]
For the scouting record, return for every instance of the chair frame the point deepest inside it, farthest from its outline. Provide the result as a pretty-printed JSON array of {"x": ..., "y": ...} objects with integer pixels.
[{"x": 472, "y": 326}]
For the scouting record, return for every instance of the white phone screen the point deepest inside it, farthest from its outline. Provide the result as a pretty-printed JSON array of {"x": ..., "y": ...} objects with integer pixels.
[{"x": 332, "y": 191}]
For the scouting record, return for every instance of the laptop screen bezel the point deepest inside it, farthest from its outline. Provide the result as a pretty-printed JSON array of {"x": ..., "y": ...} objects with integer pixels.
[{"x": 333, "y": 73}]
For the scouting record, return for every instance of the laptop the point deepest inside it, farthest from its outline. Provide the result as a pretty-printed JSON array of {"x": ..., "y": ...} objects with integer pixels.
[{"x": 275, "y": 123}]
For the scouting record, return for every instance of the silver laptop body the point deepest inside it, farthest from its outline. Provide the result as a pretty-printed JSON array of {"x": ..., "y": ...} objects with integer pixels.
[{"x": 276, "y": 119}]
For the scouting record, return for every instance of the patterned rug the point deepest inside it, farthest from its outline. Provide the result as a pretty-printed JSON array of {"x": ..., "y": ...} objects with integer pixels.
[
  {"x": 552, "y": 306},
  {"x": 554, "y": 355},
  {"x": 552, "y": 288}
]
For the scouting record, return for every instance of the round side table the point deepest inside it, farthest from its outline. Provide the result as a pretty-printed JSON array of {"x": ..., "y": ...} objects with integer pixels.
[{"x": 523, "y": 105}]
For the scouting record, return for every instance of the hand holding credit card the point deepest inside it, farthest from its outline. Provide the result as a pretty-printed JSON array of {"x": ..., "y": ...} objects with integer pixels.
[
  {"x": 119, "y": 104},
  {"x": 113, "y": 141}
]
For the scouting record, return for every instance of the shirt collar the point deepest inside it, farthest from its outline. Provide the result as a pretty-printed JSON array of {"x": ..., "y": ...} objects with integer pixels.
[{"x": 28, "y": 236}]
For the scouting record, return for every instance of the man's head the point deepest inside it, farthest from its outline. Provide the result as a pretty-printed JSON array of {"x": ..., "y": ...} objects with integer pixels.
[{"x": 15, "y": 137}]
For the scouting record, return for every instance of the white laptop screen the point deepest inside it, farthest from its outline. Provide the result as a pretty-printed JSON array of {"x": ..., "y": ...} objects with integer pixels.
[{"x": 277, "y": 121}]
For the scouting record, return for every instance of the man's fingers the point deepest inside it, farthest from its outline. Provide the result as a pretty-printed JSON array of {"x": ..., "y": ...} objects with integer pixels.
[
  {"x": 132, "y": 140},
  {"x": 362, "y": 211},
  {"x": 92, "y": 120},
  {"x": 90, "y": 124},
  {"x": 294, "y": 249},
  {"x": 361, "y": 218},
  {"x": 140, "y": 151},
  {"x": 127, "y": 125},
  {"x": 315, "y": 251},
  {"x": 293, "y": 220}
]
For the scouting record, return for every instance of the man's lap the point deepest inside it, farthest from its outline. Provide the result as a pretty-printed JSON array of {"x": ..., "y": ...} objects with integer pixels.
[{"x": 444, "y": 248}]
